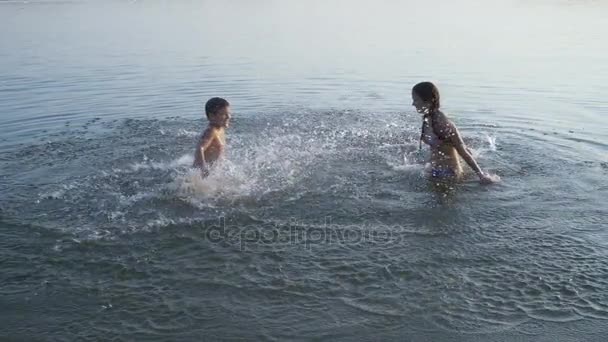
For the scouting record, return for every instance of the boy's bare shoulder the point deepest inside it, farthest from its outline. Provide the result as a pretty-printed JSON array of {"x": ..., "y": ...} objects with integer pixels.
[{"x": 209, "y": 133}]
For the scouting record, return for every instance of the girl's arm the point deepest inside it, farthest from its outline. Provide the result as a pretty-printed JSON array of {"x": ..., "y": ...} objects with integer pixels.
[{"x": 446, "y": 130}]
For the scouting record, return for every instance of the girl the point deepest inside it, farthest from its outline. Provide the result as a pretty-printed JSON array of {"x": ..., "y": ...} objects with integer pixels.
[{"x": 443, "y": 137}]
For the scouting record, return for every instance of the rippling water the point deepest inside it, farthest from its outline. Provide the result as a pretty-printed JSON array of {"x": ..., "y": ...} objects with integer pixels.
[{"x": 320, "y": 224}]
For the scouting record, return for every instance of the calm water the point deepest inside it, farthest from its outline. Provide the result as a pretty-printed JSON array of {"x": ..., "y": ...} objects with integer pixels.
[{"x": 320, "y": 224}]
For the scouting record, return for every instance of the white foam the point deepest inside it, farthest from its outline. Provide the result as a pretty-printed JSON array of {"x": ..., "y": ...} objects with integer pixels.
[
  {"x": 184, "y": 160},
  {"x": 185, "y": 133},
  {"x": 160, "y": 222},
  {"x": 409, "y": 168},
  {"x": 57, "y": 194},
  {"x": 129, "y": 200},
  {"x": 492, "y": 142}
]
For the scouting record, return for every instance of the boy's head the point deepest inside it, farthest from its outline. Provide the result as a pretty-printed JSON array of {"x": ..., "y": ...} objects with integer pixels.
[{"x": 217, "y": 110}]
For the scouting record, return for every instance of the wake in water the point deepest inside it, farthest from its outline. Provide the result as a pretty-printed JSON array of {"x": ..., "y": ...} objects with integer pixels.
[{"x": 126, "y": 177}]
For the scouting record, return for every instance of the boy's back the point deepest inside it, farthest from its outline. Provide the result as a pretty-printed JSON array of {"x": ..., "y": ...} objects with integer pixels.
[{"x": 210, "y": 147}]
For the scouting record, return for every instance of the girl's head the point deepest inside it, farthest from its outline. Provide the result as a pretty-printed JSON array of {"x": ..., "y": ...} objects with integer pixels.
[{"x": 426, "y": 97}]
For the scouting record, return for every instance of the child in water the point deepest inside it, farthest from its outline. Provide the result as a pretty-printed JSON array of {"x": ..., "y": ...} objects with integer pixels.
[
  {"x": 212, "y": 143},
  {"x": 443, "y": 137}
]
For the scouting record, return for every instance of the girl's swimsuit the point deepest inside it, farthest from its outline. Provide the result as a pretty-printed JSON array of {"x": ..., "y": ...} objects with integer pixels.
[{"x": 443, "y": 173}]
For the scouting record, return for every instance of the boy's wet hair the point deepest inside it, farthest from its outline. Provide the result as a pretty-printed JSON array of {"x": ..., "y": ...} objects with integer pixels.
[
  {"x": 428, "y": 92},
  {"x": 214, "y": 105}
]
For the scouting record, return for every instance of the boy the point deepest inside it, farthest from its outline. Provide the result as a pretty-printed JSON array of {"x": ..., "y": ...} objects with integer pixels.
[{"x": 211, "y": 144}]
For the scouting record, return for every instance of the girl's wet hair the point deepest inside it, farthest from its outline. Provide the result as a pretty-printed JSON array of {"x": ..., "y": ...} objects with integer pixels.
[{"x": 428, "y": 92}]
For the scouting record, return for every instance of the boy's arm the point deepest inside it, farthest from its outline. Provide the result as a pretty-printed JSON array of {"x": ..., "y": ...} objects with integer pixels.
[{"x": 203, "y": 144}]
